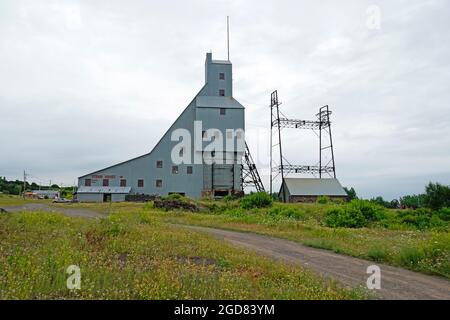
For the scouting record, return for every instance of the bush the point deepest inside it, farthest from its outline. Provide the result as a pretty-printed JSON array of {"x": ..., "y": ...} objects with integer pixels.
[
  {"x": 444, "y": 214},
  {"x": 421, "y": 218},
  {"x": 356, "y": 214},
  {"x": 286, "y": 212},
  {"x": 371, "y": 211},
  {"x": 174, "y": 196},
  {"x": 347, "y": 217},
  {"x": 256, "y": 200},
  {"x": 323, "y": 200}
]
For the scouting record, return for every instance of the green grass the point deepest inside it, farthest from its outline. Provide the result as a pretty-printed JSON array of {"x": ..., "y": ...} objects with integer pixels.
[
  {"x": 374, "y": 243},
  {"x": 142, "y": 232},
  {"x": 134, "y": 254},
  {"x": 13, "y": 200}
]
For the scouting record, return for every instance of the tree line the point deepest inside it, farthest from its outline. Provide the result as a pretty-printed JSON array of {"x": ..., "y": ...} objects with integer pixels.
[
  {"x": 16, "y": 187},
  {"x": 436, "y": 196}
]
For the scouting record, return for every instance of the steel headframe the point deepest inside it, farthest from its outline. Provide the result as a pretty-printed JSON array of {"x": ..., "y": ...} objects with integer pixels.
[
  {"x": 249, "y": 174},
  {"x": 284, "y": 168}
]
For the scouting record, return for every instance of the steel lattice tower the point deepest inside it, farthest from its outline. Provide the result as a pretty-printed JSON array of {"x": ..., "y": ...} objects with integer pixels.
[{"x": 321, "y": 127}]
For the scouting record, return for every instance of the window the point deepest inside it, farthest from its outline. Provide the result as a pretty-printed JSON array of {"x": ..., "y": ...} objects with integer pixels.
[
  {"x": 140, "y": 183},
  {"x": 159, "y": 164},
  {"x": 222, "y": 92},
  {"x": 222, "y": 76},
  {"x": 223, "y": 111},
  {"x": 123, "y": 182},
  {"x": 204, "y": 135},
  {"x": 105, "y": 182},
  {"x": 189, "y": 169},
  {"x": 159, "y": 183},
  {"x": 213, "y": 153},
  {"x": 87, "y": 182},
  {"x": 175, "y": 169},
  {"x": 181, "y": 152}
]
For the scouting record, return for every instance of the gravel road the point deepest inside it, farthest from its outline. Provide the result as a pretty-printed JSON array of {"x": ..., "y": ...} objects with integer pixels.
[{"x": 396, "y": 283}]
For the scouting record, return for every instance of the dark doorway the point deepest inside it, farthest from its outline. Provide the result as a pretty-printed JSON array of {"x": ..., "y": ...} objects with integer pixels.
[
  {"x": 107, "y": 197},
  {"x": 221, "y": 193}
]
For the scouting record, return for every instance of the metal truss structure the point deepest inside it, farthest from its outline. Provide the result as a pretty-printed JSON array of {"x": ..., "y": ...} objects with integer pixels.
[{"x": 321, "y": 127}]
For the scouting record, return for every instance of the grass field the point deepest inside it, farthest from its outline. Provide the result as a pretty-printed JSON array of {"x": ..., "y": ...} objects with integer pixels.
[
  {"x": 136, "y": 252},
  {"x": 133, "y": 253},
  {"x": 426, "y": 251}
]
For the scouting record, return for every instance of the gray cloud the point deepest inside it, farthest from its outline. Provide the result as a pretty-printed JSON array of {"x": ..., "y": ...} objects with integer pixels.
[{"x": 86, "y": 84}]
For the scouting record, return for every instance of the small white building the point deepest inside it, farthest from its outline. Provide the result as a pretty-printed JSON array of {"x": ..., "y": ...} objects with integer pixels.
[{"x": 45, "y": 194}]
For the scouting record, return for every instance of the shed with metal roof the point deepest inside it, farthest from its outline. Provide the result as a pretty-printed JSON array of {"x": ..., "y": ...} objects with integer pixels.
[{"x": 309, "y": 189}]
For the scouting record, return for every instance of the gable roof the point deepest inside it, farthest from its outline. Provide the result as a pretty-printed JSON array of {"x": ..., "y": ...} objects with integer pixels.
[{"x": 314, "y": 187}]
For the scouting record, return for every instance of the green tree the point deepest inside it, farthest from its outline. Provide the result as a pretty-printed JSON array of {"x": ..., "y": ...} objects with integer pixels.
[
  {"x": 380, "y": 201},
  {"x": 437, "y": 196},
  {"x": 394, "y": 204},
  {"x": 351, "y": 193},
  {"x": 413, "y": 201}
]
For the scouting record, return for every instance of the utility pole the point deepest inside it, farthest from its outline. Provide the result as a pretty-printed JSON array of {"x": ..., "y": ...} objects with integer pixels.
[{"x": 24, "y": 183}]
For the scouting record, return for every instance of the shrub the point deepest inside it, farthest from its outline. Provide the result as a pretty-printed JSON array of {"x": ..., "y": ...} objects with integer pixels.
[
  {"x": 444, "y": 214},
  {"x": 256, "y": 200},
  {"x": 420, "y": 218},
  {"x": 174, "y": 196},
  {"x": 348, "y": 217},
  {"x": 371, "y": 211},
  {"x": 286, "y": 212},
  {"x": 323, "y": 200}
]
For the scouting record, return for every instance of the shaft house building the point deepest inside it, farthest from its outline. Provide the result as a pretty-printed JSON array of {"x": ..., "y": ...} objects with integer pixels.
[{"x": 213, "y": 169}]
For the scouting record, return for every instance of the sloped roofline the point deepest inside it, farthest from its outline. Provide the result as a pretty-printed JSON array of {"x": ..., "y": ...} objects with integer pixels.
[{"x": 144, "y": 155}]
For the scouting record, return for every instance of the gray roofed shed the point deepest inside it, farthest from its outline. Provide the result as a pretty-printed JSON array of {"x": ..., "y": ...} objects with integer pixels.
[{"x": 314, "y": 187}]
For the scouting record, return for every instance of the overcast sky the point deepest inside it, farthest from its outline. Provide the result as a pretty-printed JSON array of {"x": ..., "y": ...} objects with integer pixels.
[{"x": 86, "y": 84}]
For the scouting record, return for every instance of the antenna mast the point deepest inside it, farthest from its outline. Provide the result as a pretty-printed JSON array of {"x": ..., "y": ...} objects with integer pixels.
[{"x": 228, "y": 37}]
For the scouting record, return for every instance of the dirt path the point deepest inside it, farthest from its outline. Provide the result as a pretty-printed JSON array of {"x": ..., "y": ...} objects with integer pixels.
[
  {"x": 396, "y": 283},
  {"x": 72, "y": 212}
]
